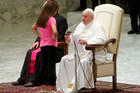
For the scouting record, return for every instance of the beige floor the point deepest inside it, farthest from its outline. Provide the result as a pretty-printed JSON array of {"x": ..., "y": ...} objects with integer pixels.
[{"x": 16, "y": 39}]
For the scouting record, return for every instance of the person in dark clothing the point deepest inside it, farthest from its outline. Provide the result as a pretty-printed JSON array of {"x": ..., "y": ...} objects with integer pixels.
[
  {"x": 94, "y": 4},
  {"x": 134, "y": 11},
  {"x": 27, "y": 75},
  {"x": 30, "y": 70},
  {"x": 113, "y": 2},
  {"x": 82, "y": 5}
]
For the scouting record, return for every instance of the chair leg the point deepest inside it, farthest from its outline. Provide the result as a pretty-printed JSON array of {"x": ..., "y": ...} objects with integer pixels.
[
  {"x": 95, "y": 82},
  {"x": 114, "y": 83},
  {"x": 94, "y": 74}
]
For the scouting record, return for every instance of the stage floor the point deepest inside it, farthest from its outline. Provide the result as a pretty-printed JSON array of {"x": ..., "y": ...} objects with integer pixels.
[{"x": 102, "y": 87}]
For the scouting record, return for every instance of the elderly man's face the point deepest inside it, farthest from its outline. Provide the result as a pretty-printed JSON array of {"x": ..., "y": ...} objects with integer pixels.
[{"x": 86, "y": 17}]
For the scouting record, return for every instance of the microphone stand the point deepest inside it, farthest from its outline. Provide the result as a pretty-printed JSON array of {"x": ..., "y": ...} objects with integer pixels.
[
  {"x": 68, "y": 32},
  {"x": 76, "y": 57},
  {"x": 76, "y": 63}
]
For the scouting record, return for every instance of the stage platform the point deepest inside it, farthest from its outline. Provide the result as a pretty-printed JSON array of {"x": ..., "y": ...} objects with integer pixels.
[{"x": 102, "y": 87}]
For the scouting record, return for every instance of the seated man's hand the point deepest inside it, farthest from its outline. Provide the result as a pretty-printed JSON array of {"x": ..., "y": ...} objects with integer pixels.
[
  {"x": 67, "y": 38},
  {"x": 35, "y": 45},
  {"x": 82, "y": 42}
]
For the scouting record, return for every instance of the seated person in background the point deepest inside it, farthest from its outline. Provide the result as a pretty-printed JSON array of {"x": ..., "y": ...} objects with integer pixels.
[
  {"x": 31, "y": 64},
  {"x": 89, "y": 32}
]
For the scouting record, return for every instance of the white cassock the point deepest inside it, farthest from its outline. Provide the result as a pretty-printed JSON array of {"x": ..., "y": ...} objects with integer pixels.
[{"x": 93, "y": 33}]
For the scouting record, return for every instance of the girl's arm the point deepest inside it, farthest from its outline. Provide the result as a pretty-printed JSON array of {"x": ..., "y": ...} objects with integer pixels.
[
  {"x": 34, "y": 29},
  {"x": 55, "y": 33}
]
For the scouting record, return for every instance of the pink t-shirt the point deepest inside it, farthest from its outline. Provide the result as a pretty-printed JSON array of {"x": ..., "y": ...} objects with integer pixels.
[{"x": 46, "y": 34}]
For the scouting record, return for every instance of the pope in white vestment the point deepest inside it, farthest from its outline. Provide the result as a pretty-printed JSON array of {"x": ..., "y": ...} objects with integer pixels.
[{"x": 92, "y": 33}]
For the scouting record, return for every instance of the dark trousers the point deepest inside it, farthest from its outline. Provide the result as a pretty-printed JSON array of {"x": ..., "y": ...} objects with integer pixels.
[
  {"x": 59, "y": 53},
  {"x": 94, "y": 3},
  {"x": 83, "y": 4},
  {"x": 25, "y": 76},
  {"x": 47, "y": 73},
  {"x": 24, "y": 72},
  {"x": 134, "y": 10}
]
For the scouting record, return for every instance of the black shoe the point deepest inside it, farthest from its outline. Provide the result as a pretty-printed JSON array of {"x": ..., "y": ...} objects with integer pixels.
[
  {"x": 138, "y": 32},
  {"x": 132, "y": 31},
  {"x": 17, "y": 83},
  {"x": 29, "y": 84}
]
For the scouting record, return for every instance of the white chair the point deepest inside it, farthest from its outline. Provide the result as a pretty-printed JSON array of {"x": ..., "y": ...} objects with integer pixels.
[{"x": 110, "y": 16}]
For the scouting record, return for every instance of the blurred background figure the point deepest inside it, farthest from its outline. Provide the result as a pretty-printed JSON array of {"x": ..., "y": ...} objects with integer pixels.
[
  {"x": 134, "y": 11},
  {"x": 82, "y": 5},
  {"x": 94, "y": 4}
]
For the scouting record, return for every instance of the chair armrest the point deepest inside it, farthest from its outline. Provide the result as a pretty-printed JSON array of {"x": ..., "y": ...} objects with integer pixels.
[
  {"x": 99, "y": 46},
  {"x": 112, "y": 40},
  {"x": 61, "y": 44},
  {"x": 94, "y": 46},
  {"x": 64, "y": 45}
]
